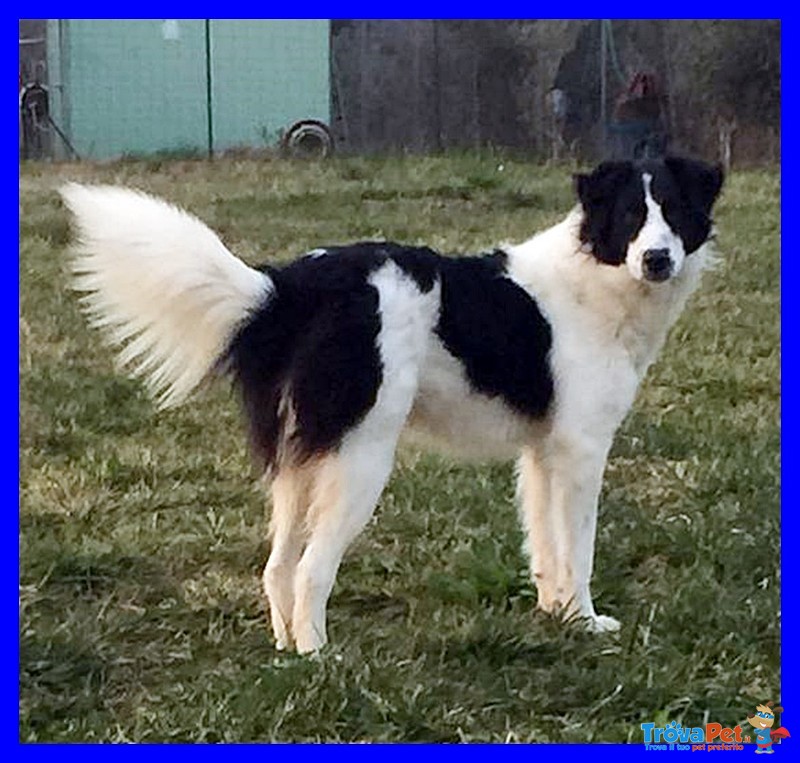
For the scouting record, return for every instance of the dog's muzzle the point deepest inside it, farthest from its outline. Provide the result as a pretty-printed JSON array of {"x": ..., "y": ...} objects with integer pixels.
[{"x": 657, "y": 265}]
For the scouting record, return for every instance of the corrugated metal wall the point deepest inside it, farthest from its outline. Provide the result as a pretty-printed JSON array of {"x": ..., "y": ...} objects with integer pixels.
[{"x": 140, "y": 86}]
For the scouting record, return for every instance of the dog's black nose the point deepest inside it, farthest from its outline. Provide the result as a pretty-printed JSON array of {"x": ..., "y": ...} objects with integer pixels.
[{"x": 657, "y": 264}]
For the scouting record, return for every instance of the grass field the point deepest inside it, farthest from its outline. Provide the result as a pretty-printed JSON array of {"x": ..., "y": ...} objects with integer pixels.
[{"x": 142, "y": 535}]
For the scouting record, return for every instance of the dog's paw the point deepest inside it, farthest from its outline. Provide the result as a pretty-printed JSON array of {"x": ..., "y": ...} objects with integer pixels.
[
  {"x": 310, "y": 641},
  {"x": 602, "y": 624}
]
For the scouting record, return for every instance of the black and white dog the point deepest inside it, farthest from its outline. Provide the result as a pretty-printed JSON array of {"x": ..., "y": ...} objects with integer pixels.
[{"x": 535, "y": 351}]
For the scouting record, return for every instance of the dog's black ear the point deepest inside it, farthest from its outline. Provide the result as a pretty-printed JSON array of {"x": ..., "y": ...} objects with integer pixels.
[
  {"x": 580, "y": 184},
  {"x": 699, "y": 182},
  {"x": 598, "y": 193},
  {"x": 602, "y": 183}
]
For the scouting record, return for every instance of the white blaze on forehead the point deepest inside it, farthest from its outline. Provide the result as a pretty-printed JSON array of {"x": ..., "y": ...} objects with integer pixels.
[
  {"x": 655, "y": 217},
  {"x": 654, "y": 234},
  {"x": 647, "y": 179}
]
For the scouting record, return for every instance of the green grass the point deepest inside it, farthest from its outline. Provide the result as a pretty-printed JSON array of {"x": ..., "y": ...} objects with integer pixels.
[{"x": 142, "y": 535}]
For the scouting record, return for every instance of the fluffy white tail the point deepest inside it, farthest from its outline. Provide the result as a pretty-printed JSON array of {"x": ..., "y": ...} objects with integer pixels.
[{"x": 161, "y": 283}]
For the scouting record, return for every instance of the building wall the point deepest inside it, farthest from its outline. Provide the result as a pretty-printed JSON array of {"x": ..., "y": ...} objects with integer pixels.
[
  {"x": 34, "y": 138},
  {"x": 141, "y": 86},
  {"x": 131, "y": 90},
  {"x": 267, "y": 75},
  {"x": 33, "y": 50},
  {"x": 428, "y": 85},
  {"x": 425, "y": 85}
]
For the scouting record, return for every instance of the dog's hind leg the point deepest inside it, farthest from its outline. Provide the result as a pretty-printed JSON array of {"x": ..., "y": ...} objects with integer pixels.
[
  {"x": 290, "y": 501},
  {"x": 348, "y": 481},
  {"x": 346, "y": 491}
]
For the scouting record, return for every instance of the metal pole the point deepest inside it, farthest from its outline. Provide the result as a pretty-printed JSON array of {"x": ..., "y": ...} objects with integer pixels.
[{"x": 209, "y": 93}]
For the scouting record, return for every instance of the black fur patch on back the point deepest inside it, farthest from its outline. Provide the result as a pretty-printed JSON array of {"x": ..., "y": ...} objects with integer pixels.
[
  {"x": 310, "y": 354},
  {"x": 497, "y": 331},
  {"x": 308, "y": 364},
  {"x": 420, "y": 263}
]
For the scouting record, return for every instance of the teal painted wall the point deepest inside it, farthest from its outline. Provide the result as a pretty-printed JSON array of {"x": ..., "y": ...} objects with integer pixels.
[
  {"x": 140, "y": 86},
  {"x": 126, "y": 89},
  {"x": 268, "y": 73}
]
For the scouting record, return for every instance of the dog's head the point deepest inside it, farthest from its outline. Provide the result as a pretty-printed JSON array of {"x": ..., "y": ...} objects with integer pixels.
[{"x": 648, "y": 216}]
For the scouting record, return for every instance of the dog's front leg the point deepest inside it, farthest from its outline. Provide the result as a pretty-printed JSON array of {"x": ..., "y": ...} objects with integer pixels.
[
  {"x": 559, "y": 487},
  {"x": 577, "y": 464},
  {"x": 536, "y": 515}
]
